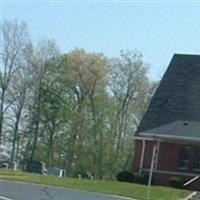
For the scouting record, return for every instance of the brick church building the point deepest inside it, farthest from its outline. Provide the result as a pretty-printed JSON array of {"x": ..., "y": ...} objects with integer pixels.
[{"x": 169, "y": 133}]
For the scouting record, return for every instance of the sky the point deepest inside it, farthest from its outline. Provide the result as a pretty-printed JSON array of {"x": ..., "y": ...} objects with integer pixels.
[{"x": 157, "y": 29}]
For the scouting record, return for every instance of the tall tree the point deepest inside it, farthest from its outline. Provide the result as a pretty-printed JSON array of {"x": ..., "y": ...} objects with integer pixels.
[
  {"x": 77, "y": 111},
  {"x": 128, "y": 82},
  {"x": 15, "y": 37},
  {"x": 17, "y": 97},
  {"x": 41, "y": 61},
  {"x": 88, "y": 72}
]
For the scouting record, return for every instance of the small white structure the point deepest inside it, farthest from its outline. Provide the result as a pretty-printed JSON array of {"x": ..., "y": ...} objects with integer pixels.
[{"x": 54, "y": 171}]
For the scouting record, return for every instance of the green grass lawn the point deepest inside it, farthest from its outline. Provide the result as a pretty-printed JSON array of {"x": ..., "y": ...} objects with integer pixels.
[{"x": 108, "y": 187}]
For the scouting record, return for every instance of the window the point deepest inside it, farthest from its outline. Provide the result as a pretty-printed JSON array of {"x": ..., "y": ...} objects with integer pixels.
[
  {"x": 197, "y": 160},
  {"x": 184, "y": 157}
]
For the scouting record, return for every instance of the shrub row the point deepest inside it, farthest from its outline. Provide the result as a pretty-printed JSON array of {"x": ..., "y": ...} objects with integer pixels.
[
  {"x": 177, "y": 182},
  {"x": 141, "y": 178},
  {"x": 126, "y": 176}
]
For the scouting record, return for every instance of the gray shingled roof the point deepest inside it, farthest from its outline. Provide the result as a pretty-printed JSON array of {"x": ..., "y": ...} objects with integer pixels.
[{"x": 177, "y": 100}]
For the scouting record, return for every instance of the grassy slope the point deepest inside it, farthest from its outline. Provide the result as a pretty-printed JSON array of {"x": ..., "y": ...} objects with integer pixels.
[{"x": 108, "y": 187}]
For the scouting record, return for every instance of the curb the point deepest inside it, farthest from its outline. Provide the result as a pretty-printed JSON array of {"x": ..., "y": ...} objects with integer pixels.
[{"x": 121, "y": 197}]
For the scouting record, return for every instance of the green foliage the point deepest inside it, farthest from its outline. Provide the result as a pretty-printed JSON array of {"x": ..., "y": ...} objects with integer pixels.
[
  {"x": 125, "y": 176},
  {"x": 177, "y": 182},
  {"x": 141, "y": 178},
  {"x": 81, "y": 109}
]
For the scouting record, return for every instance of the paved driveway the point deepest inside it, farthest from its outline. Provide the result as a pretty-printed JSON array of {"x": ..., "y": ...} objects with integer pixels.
[{"x": 20, "y": 191}]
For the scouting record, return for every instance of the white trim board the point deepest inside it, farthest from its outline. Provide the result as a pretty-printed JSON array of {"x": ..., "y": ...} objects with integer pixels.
[
  {"x": 165, "y": 136},
  {"x": 172, "y": 172}
]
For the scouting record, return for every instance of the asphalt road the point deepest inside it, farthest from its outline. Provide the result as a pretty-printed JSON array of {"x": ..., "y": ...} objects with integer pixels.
[{"x": 20, "y": 191}]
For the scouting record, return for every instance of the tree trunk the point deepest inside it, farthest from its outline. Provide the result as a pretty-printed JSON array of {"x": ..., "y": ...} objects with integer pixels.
[
  {"x": 1, "y": 115},
  {"x": 51, "y": 146},
  {"x": 15, "y": 136},
  {"x": 36, "y": 130}
]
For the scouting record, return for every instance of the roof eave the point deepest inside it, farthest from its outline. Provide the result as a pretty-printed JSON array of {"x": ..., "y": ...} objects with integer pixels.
[{"x": 169, "y": 137}]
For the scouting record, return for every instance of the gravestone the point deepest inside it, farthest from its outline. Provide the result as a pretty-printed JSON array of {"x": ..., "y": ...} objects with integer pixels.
[
  {"x": 54, "y": 171},
  {"x": 36, "y": 167}
]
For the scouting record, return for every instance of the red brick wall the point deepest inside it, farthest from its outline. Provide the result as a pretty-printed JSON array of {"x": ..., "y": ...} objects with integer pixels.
[
  {"x": 168, "y": 160},
  {"x": 137, "y": 155},
  {"x": 170, "y": 155},
  {"x": 147, "y": 155}
]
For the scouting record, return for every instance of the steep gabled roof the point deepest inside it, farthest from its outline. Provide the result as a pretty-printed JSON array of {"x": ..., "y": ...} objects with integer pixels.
[{"x": 177, "y": 99}]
